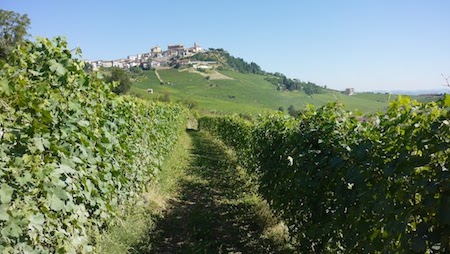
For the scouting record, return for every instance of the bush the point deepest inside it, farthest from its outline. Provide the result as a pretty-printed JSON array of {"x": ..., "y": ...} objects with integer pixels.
[
  {"x": 120, "y": 79},
  {"x": 342, "y": 184},
  {"x": 71, "y": 152}
]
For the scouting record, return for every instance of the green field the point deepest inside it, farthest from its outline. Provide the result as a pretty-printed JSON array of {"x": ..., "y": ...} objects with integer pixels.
[{"x": 244, "y": 93}]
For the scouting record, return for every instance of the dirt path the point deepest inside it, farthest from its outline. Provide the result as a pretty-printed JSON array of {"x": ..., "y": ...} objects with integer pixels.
[
  {"x": 212, "y": 74},
  {"x": 215, "y": 212},
  {"x": 157, "y": 75}
]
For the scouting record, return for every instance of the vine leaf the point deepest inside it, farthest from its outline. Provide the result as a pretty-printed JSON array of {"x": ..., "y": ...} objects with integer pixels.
[
  {"x": 55, "y": 203},
  {"x": 5, "y": 87},
  {"x": 57, "y": 68},
  {"x": 6, "y": 193},
  {"x": 36, "y": 220},
  {"x": 4, "y": 213}
]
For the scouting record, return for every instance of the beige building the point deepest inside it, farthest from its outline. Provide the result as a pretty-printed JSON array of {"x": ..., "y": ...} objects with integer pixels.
[
  {"x": 156, "y": 51},
  {"x": 349, "y": 91},
  {"x": 176, "y": 50}
]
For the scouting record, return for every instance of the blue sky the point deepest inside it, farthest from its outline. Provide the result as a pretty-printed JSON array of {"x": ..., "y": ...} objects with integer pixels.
[{"x": 368, "y": 45}]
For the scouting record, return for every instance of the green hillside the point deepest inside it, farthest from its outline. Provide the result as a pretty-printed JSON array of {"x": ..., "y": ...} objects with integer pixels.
[{"x": 242, "y": 93}]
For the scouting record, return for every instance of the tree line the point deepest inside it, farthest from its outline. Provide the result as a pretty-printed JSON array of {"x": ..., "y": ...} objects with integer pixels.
[
  {"x": 228, "y": 61},
  {"x": 240, "y": 65},
  {"x": 284, "y": 83}
]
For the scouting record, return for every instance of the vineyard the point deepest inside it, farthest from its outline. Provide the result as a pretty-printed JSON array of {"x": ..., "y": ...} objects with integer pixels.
[
  {"x": 72, "y": 153},
  {"x": 347, "y": 184}
]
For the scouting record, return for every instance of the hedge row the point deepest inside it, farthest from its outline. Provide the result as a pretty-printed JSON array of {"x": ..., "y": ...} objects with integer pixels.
[
  {"x": 349, "y": 184},
  {"x": 71, "y": 151}
]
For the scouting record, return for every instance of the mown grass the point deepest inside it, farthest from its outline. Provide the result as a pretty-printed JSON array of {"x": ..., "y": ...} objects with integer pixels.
[
  {"x": 245, "y": 93},
  {"x": 200, "y": 202},
  {"x": 218, "y": 209}
]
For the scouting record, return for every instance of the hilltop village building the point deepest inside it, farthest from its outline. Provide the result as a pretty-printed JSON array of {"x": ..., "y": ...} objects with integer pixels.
[
  {"x": 349, "y": 91},
  {"x": 155, "y": 58}
]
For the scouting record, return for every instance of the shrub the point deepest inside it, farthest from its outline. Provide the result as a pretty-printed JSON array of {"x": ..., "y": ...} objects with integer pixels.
[
  {"x": 346, "y": 185},
  {"x": 71, "y": 150}
]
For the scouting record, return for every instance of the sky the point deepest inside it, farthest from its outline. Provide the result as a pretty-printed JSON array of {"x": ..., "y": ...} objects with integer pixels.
[{"x": 367, "y": 45}]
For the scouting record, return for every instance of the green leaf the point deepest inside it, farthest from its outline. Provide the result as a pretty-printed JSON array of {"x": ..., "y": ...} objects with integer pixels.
[
  {"x": 60, "y": 193},
  {"x": 83, "y": 123},
  {"x": 6, "y": 193},
  {"x": 63, "y": 168},
  {"x": 77, "y": 160},
  {"x": 447, "y": 100},
  {"x": 36, "y": 220},
  {"x": 4, "y": 213},
  {"x": 41, "y": 143},
  {"x": 27, "y": 158},
  {"x": 25, "y": 179},
  {"x": 35, "y": 73},
  {"x": 57, "y": 68},
  {"x": 12, "y": 229},
  {"x": 4, "y": 85},
  {"x": 55, "y": 203}
]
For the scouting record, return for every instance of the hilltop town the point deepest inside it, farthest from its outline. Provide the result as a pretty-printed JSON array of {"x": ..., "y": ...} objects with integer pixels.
[
  {"x": 178, "y": 55},
  {"x": 155, "y": 58}
]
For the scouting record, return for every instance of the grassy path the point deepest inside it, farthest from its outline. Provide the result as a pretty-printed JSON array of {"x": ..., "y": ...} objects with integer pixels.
[
  {"x": 159, "y": 77},
  {"x": 217, "y": 210}
]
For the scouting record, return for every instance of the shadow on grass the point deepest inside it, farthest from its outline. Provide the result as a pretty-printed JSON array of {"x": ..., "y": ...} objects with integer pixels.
[{"x": 213, "y": 213}]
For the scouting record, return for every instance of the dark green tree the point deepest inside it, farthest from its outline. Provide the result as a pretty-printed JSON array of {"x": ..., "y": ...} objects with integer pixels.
[
  {"x": 136, "y": 70},
  {"x": 13, "y": 31},
  {"x": 165, "y": 97},
  {"x": 189, "y": 103},
  {"x": 88, "y": 67},
  {"x": 292, "y": 111},
  {"x": 175, "y": 62},
  {"x": 121, "y": 76}
]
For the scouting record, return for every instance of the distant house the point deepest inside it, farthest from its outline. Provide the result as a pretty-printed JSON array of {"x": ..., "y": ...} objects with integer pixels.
[
  {"x": 107, "y": 64},
  {"x": 176, "y": 50},
  {"x": 349, "y": 91},
  {"x": 158, "y": 63},
  {"x": 94, "y": 64},
  {"x": 193, "y": 50},
  {"x": 184, "y": 62},
  {"x": 203, "y": 64},
  {"x": 196, "y": 48},
  {"x": 117, "y": 64},
  {"x": 157, "y": 58},
  {"x": 133, "y": 64},
  {"x": 156, "y": 52}
]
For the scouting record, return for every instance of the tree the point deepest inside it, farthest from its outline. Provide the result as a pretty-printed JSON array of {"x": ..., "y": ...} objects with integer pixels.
[
  {"x": 164, "y": 98},
  {"x": 120, "y": 76},
  {"x": 189, "y": 103},
  {"x": 292, "y": 111},
  {"x": 13, "y": 30},
  {"x": 136, "y": 70},
  {"x": 88, "y": 67},
  {"x": 175, "y": 62}
]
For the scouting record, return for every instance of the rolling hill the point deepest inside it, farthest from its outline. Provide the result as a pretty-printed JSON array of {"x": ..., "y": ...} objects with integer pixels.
[{"x": 228, "y": 91}]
